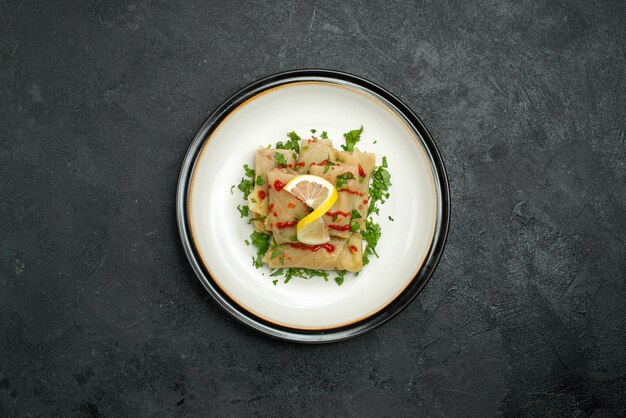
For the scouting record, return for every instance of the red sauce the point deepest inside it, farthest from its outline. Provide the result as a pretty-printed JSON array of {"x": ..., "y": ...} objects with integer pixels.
[
  {"x": 269, "y": 186},
  {"x": 328, "y": 247},
  {"x": 361, "y": 172},
  {"x": 275, "y": 215},
  {"x": 281, "y": 225},
  {"x": 300, "y": 164},
  {"x": 291, "y": 205},
  {"x": 365, "y": 201},
  {"x": 339, "y": 227},
  {"x": 353, "y": 249},
  {"x": 261, "y": 194},
  {"x": 349, "y": 191},
  {"x": 321, "y": 163},
  {"x": 271, "y": 207},
  {"x": 278, "y": 185},
  {"x": 337, "y": 213}
]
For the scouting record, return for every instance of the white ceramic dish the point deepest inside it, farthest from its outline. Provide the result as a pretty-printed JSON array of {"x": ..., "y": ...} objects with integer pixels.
[{"x": 214, "y": 233}]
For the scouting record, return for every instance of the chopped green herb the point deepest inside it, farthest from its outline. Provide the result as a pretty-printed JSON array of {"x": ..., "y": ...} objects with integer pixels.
[
  {"x": 280, "y": 160},
  {"x": 335, "y": 217},
  {"x": 282, "y": 261},
  {"x": 371, "y": 235},
  {"x": 390, "y": 218},
  {"x": 313, "y": 131},
  {"x": 385, "y": 161},
  {"x": 375, "y": 141},
  {"x": 379, "y": 187},
  {"x": 262, "y": 242},
  {"x": 247, "y": 242},
  {"x": 246, "y": 187},
  {"x": 294, "y": 139},
  {"x": 231, "y": 189},
  {"x": 260, "y": 218},
  {"x": 352, "y": 138},
  {"x": 342, "y": 180},
  {"x": 340, "y": 276},
  {"x": 355, "y": 214},
  {"x": 253, "y": 200},
  {"x": 249, "y": 171},
  {"x": 276, "y": 253},
  {"x": 278, "y": 272},
  {"x": 354, "y": 226},
  {"x": 293, "y": 143},
  {"x": 303, "y": 274},
  {"x": 328, "y": 164},
  {"x": 324, "y": 135},
  {"x": 293, "y": 238},
  {"x": 259, "y": 180},
  {"x": 274, "y": 281},
  {"x": 243, "y": 210},
  {"x": 304, "y": 148}
]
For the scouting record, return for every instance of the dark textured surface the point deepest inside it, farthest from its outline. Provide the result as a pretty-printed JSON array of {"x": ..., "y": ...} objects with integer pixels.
[{"x": 100, "y": 314}]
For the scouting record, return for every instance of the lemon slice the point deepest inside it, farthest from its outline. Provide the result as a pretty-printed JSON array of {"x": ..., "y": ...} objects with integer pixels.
[
  {"x": 313, "y": 233},
  {"x": 320, "y": 195},
  {"x": 314, "y": 191}
]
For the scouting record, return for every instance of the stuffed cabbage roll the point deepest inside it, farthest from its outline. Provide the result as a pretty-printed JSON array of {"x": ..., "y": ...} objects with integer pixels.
[
  {"x": 365, "y": 163},
  {"x": 258, "y": 223},
  {"x": 351, "y": 258},
  {"x": 284, "y": 209},
  {"x": 334, "y": 255},
  {"x": 343, "y": 177},
  {"x": 315, "y": 152},
  {"x": 265, "y": 160}
]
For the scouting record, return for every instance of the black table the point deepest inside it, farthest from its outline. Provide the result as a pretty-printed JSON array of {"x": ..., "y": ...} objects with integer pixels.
[{"x": 101, "y": 315}]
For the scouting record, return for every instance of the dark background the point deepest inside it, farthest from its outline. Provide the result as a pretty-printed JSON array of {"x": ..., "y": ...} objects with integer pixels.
[{"x": 100, "y": 313}]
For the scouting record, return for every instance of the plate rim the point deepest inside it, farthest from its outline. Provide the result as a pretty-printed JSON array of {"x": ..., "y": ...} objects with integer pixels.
[{"x": 415, "y": 285}]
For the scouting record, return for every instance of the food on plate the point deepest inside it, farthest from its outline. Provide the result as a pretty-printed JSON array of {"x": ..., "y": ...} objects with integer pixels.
[{"x": 311, "y": 206}]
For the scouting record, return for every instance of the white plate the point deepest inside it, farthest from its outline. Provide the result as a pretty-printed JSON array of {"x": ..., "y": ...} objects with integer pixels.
[{"x": 218, "y": 233}]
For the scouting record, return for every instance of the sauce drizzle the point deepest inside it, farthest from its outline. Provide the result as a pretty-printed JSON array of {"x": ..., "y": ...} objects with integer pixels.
[
  {"x": 337, "y": 213},
  {"x": 328, "y": 247},
  {"x": 339, "y": 227},
  {"x": 282, "y": 225},
  {"x": 350, "y": 191},
  {"x": 278, "y": 185}
]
